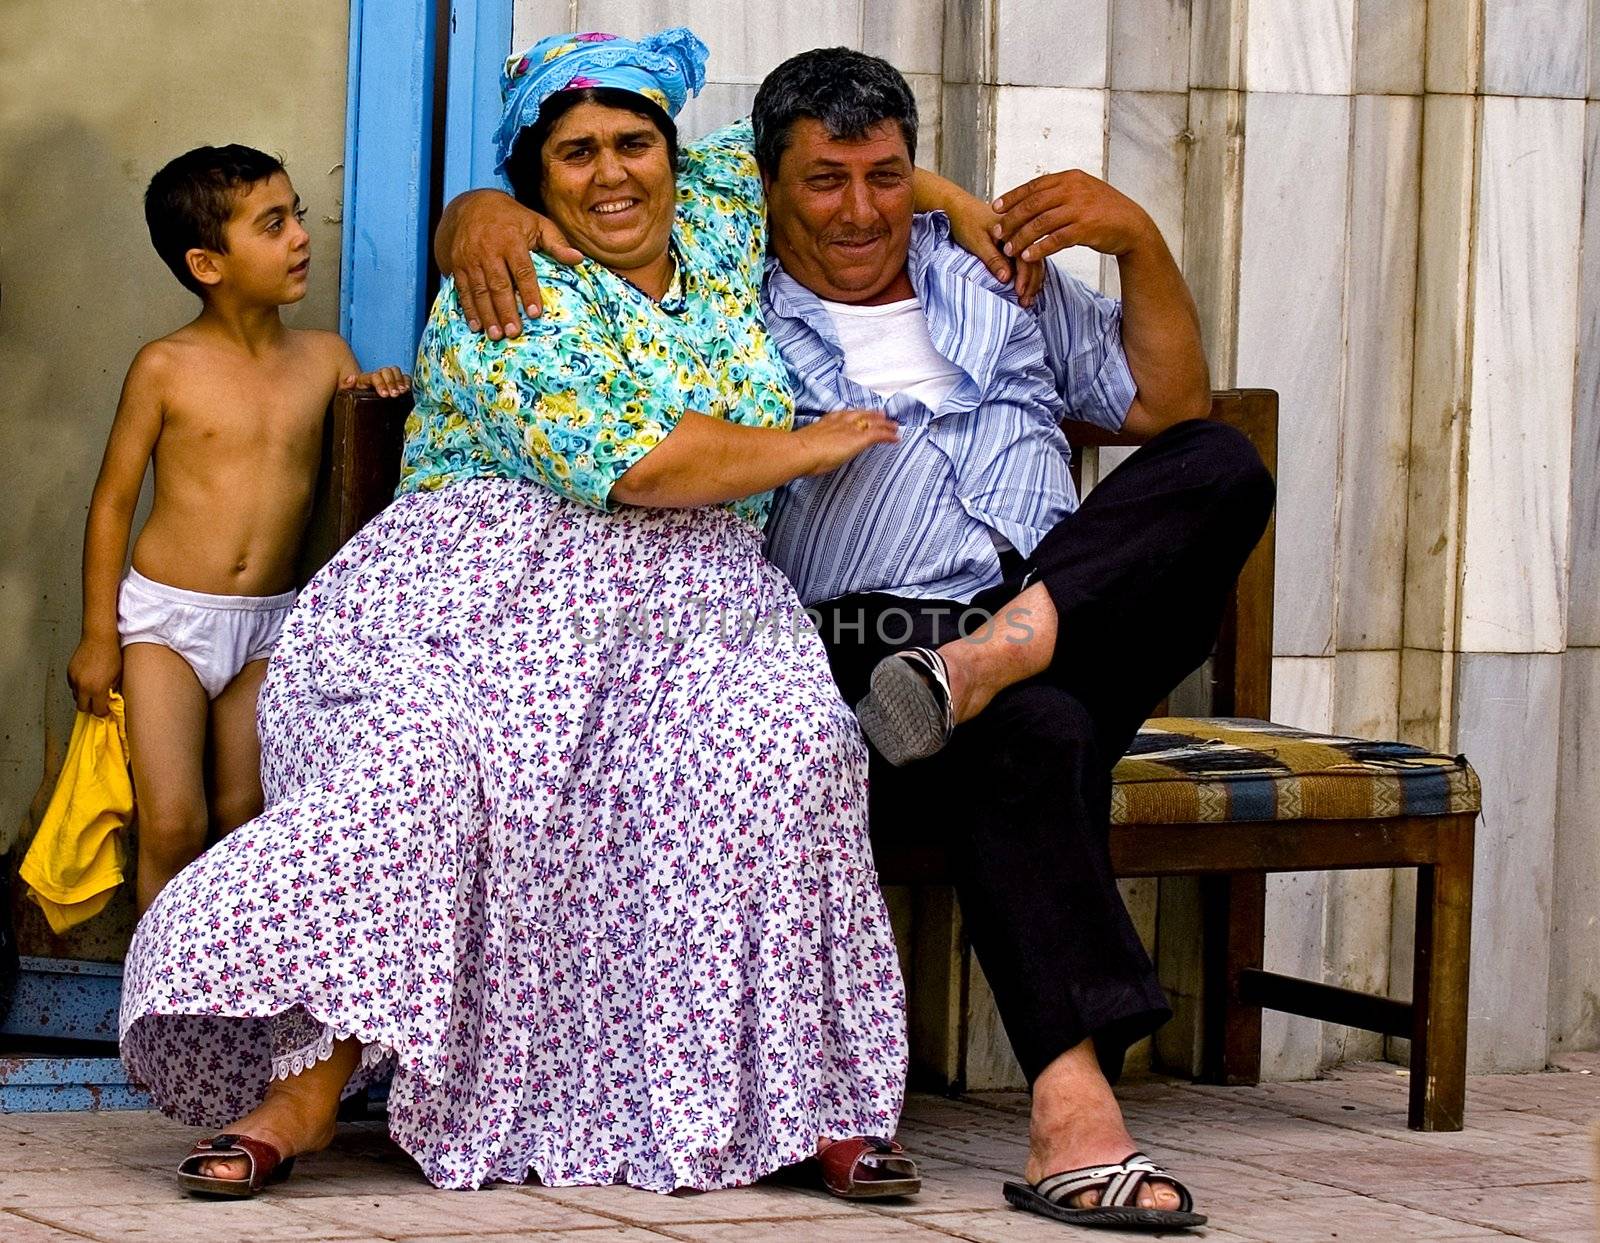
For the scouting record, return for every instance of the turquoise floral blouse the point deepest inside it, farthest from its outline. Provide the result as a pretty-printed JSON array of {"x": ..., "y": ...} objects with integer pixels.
[{"x": 605, "y": 373}]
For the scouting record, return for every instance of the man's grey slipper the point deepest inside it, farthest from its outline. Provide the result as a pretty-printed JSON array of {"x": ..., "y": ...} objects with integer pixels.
[
  {"x": 908, "y": 715},
  {"x": 1119, "y": 1194}
]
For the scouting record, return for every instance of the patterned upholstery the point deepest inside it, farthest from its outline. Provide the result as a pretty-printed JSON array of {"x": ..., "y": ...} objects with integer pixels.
[{"x": 1187, "y": 771}]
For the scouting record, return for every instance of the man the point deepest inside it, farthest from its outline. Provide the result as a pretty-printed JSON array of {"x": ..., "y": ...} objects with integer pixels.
[{"x": 969, "y": 604}]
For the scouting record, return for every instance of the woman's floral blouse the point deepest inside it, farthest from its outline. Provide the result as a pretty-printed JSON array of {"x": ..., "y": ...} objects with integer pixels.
[{"x": 605, "y": 373}]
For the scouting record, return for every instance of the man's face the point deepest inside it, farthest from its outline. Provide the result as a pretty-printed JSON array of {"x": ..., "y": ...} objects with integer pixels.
[{"x": 839, "y": 210}]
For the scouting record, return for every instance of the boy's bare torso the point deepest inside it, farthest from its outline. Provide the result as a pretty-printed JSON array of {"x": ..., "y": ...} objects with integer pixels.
[{"x": 236, "y": 460}]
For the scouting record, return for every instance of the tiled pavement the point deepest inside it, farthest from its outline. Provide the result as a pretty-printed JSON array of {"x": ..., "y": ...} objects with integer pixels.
[{"x": 1327, "y": 1160}]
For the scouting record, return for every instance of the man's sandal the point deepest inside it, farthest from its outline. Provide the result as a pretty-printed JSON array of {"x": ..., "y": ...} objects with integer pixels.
[
  {"x": 866, "y": 1168},
  {"x": 1119, "y": 1192},
  {"x": 267, "y": 1165},
  {"x": 908, "y": 714}
]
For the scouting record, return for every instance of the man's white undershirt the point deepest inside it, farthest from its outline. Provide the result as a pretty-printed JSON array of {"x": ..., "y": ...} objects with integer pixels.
[{"x": 888, "y": 350}]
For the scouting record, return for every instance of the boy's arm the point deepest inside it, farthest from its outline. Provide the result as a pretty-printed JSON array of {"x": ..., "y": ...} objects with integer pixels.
[
  {"x": 388, "y": 381},
  {"x": 96, "y": 666}
]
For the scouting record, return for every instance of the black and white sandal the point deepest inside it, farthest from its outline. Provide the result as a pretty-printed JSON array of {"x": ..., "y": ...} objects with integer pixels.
[
  {"x": 1119, "y": 1192},
  {"x": 908, "y": 714}
]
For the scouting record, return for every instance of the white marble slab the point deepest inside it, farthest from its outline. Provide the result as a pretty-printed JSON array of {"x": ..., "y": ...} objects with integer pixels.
[
  {"x": 1213, "y": 198},
  {"x": 1454, "y": 46},
  {"x": 1040, "y": 129},
  {"x": 1583, "y": 595},
  {"x": 532, "y": 20},
  {"x": 1427, "y": 698},
  {"x": 1050, "y": 43},
  {"x": 1375, "y": 425},
  {"x": 1217, "y": 44},
  {"x": 1291, "y": 1046},
  {"x": 1146, "y": 156},
  {"x": 1575, "y": 909},
  {"x": 1300, "y": 46},
  {"x": 1291, "y": 304},
  {"x": 1149, "y": 45},
  {"x": 746, "y": 40},
  {"x": 1519, "y": 456},
  {"x": 1302, "y": 692},
  {"x": 1389, "y": 47},
  {"x": 1536, "y": 47},
  {"x": 1441, "y": 380},
  {"x": 1594, "y": 49},
  {"x": 718, "y": 104},
  {"x": 991, "y": 1066},
  {"x": 1366, "y": 694},
  {"x": 1509, "y": 714},
  {"x": 909, "y": 34}
]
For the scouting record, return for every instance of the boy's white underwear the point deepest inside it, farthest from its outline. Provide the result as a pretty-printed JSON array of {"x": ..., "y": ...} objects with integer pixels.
[{"x": 217, "y": 635}]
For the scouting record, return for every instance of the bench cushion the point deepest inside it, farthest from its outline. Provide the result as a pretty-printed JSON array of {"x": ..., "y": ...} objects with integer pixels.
[{"x": 1182, "y": 770}]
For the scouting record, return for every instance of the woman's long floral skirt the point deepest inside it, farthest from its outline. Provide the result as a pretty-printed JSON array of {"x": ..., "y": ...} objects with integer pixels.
[{"x": 567, "y": 823}]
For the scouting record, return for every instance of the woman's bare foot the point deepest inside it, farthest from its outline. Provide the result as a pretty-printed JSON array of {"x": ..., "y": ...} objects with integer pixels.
[
  {"x": 1077, "y": 1122},
  {"x": 297, "y": 1114}
]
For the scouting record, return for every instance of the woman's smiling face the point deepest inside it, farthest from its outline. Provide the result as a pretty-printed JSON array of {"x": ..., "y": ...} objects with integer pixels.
[{"x": 608, "y": 183}]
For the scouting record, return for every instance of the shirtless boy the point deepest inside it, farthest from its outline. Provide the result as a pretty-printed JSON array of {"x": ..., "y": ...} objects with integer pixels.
[{"x": 229, "y": 408}]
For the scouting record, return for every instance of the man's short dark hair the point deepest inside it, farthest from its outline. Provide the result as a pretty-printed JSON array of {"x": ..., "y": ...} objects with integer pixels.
[
  {"x": 190, "y": 199},
  {"x": 849, "y": 92},
  {"x": 525, "y": 168}
]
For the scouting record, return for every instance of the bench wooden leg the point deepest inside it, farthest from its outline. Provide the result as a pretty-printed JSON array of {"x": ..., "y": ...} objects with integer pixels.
[
  {"x": 1439, "y": 984},
  {"x": 1235, "y": 930}
]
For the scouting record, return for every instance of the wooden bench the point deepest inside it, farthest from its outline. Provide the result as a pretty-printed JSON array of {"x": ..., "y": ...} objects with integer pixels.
[{"x": 1232, "y": 857}]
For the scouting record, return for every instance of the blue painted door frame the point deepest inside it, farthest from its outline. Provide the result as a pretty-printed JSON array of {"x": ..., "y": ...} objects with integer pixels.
[{"x": 393, "y": 114}]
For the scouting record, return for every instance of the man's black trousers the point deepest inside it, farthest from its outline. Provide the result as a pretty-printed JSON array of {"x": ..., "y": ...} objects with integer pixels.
[{"x": 1021, "y": 795}]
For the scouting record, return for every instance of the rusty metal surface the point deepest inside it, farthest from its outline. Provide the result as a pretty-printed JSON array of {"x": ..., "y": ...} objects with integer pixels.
[{"x": 65, "y": 999}]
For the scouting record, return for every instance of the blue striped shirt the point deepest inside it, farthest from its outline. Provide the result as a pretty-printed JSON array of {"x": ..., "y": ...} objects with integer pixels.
[{"x": 914, "y": 518}]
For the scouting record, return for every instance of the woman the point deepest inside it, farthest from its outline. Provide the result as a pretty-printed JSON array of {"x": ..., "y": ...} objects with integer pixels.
[{"x": 566, "y": 821}]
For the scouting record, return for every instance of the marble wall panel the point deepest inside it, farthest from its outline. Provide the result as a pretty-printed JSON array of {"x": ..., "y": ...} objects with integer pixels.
[
  {"x": 1389, "y": 41},
  {"x": 1040, "y": 129},
  {"x": 968, "y": 41},
  {"x": 966, "y": 151},
  {"x": 1300, "y": 46},
  {"x": 1048, "y": 43},
  {"x": 1366, "y": 694},
  {"x": 1583, "y": 594},
  {"x": 1535, "y": 47},
  {"x": 1594, "y": 49},
  {"x": 1575, "y": 909},
  {"x": 1441, "y": 381},
  {"x": 1213, "y": 192},
  {"x": 746, "y": 40},
  {"x": 990, "y": 1064},
  {"x": 1508, "y": 707},
  {"x": 1217, "y": 44},
  {"x": 1149, "y": 45},
  {"x": 1292, "y": 1047},
  {"x": 1380, "y": 296},
  {"x": 1519, "y": 457},
  {"x": 928, "y": 88},
  {"x": 1575, "y": 914},
  {"x": 1142, "y": 897},
  {"x": 1454, "y": 58},
  {"x": 1180, "y": 969},
  {"x": 909, "y": 34},
  {"x": 1291, "y": 304},
  {"x": 532, "y": 20},
  {"x": 718, "y": 104},
  {"x": 1427, "y": 697},
  {"x": 1146, "y": 157}
]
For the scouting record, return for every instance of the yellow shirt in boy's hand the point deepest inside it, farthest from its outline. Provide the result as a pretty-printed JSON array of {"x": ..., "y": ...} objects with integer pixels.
[{"x": 75, "y": 862}]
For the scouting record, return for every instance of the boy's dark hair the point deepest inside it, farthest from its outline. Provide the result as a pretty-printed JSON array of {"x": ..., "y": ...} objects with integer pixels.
[
  {"x": 848, "y": 91},
  {"x": 190, "y": 199},
  {"x": 525, "y": 169}
]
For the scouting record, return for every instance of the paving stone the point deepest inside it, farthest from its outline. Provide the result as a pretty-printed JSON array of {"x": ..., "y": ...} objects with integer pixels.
[
  {"x": 492, "y": 1210},
  {"x": 860, "y": 1227},
  {"x": 1561, "y": 1211},
  {"x": 606, "y": 1234},
  {"x": 265, "y": 1220},
  {"x": 1338, "y": 1217},
  {"x": 32, "y": 1151},
  {"x": 15, "y": 1228},
  {"x": 628, "y": 1204},
  {"x": 949, "y": 1187},
  {"x": 72, "y": 1184},
  {"x": 1009, "y": 1225}
]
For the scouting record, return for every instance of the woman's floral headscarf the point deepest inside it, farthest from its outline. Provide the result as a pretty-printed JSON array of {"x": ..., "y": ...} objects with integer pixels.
[{"x": 666, "y": 68}]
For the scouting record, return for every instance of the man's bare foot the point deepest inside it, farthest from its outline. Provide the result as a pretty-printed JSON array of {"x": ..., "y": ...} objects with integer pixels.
[
  {"x": 296, "y": 1116},
  {"x": 1077, "y": 1122}
]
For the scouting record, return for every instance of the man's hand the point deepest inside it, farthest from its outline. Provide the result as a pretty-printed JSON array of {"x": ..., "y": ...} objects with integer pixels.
[
  {"x": 93, "y": 673},
  {"x": 388, "y": 381},
  {"x": 1059, "y": 210},
  {"x": 973, "y": 226},
  {"x": 483, "y": 241}
]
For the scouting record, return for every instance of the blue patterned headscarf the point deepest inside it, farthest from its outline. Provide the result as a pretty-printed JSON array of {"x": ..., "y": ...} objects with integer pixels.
[{"x": 666, "y": 68}]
